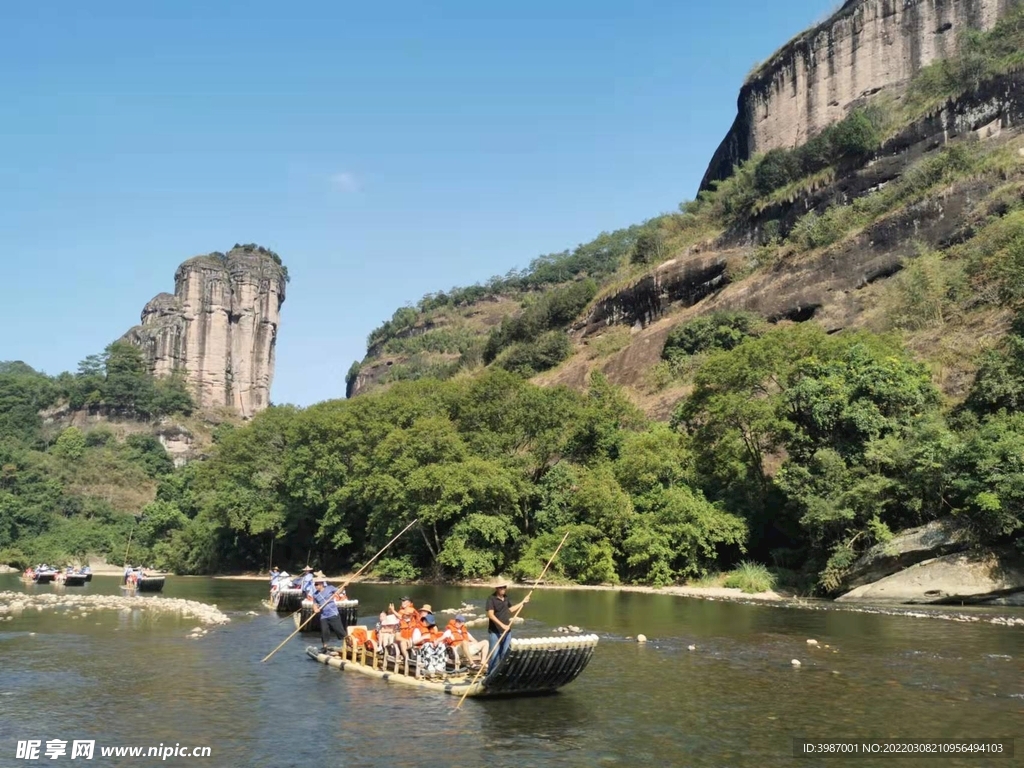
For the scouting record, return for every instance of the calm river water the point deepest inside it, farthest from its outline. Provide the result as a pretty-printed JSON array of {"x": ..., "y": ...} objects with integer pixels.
[{"x": 134, "y": 679}]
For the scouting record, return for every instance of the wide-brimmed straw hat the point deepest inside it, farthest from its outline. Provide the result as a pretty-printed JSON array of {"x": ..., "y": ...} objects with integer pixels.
[{"x": 426, "y": 607}]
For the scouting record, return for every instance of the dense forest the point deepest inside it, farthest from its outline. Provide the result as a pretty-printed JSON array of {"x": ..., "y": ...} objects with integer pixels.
[{"x": 496, "y": 470}]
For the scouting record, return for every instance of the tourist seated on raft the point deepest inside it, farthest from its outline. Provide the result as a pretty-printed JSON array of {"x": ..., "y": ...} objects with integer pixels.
[
  {"x": 463, "y": 645},
  {"x": 408, "y": 623},
  {"x": 431, "y": 650},
  {"x": 387, "y": 634}
]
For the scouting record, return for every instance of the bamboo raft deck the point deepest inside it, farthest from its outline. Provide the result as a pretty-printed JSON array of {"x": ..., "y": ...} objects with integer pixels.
[
  {"x": 532, "y": 666},
  {"x": 75, "y": 580}
]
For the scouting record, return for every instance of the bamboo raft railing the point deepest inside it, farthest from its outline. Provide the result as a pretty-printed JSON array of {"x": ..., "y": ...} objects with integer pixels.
[{"x": 532, "y": 666}]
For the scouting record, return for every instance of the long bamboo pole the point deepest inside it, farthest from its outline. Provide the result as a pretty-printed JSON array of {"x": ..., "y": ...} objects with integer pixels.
[
  {"x": 341, "y": 588},
  {"x": 126, "y": 549},
  {"x": 522, "y": 602}
]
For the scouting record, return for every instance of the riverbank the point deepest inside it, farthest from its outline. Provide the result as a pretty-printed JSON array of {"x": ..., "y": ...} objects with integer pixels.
[{"x": 716, "y": 593}]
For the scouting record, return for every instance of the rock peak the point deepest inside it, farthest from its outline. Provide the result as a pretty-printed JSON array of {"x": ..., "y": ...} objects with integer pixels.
[
  {"x": 219, "y": 327},
  {"x": 863, "y": 48}
]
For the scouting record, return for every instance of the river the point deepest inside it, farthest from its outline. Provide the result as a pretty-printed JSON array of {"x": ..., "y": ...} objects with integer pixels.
[{"x": 132, "y": 678}]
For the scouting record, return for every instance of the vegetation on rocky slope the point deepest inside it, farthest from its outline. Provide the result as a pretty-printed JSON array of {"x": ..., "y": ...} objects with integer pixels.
[{"x": 68, "y": 491}]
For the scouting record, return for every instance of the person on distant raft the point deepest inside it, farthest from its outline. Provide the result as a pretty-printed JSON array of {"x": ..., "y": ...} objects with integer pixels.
[
  {"x": 306, "y": 585},
  {"x": 499, "y": 619},
  {"x": 274, "y": 573},
  {"x": 330, "y": 618}
]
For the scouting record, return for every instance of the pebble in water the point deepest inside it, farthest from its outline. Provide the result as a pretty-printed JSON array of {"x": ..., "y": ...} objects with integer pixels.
[
  {"x": 691, "y": 647},
  {"x": 795, "y": 662},
  {"x": 641, "y": 638},
  {"x": 812, "y": 642}
]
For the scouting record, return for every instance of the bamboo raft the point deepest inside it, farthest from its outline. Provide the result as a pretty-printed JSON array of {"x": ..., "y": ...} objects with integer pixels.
[
  {"x": 532, "y": 666},
  {"x": 75, "y": 580},
  {"x": 145, "y": 584},
  {"x": 286, "y": 600},
  {"x": 347, "y": 609}
]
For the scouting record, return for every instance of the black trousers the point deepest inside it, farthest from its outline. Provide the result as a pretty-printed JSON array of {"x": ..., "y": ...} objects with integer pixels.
[{"x": 333, "y": 624}]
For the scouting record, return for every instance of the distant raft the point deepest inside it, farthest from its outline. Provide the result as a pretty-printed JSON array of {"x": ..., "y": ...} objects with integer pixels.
[
  {"x": 347, "y": 609},
  {"x": 144, "y": 584},
  {"x": 532, "y": 666},
  {"x": 286, "y": 600}
]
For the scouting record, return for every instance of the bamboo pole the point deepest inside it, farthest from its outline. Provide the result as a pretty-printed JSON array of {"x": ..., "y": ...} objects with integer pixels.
[
  {"x": 130, "y": 533},
  {"x": 497, "y": 645},
  {"x": 341, "y": 588}
]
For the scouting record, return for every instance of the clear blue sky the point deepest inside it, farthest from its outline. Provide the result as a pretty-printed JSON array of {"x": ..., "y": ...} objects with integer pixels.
[{"x": 385, "y": 150}]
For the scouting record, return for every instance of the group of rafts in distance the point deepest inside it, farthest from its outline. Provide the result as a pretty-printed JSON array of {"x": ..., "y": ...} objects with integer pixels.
[{"x": 406, "y": 646}]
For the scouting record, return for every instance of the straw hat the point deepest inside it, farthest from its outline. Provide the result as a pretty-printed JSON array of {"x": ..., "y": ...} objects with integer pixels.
[{"x": 426, "y": 607}]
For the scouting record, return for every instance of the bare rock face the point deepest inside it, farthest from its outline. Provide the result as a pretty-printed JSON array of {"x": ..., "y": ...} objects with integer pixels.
[
  {"x": 865, "y": 47},
  {"x": 966, "y": 578},
  {"x": 219, "y": 328}
]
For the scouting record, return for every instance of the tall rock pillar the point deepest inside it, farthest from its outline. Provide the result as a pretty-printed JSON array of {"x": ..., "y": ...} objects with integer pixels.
[{"x": 219, "y": 329}]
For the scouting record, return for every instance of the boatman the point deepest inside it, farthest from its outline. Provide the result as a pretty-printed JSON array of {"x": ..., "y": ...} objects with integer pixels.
[
  {"x": 330, "y": 618},
  {"x": 306, "y": 585},
  {"x": 274, "y": 573},
  {"x": 499, "y": 620}
]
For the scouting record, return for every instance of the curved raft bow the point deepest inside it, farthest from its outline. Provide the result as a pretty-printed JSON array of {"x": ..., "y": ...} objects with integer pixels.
[{"x": 531, "y": 666}]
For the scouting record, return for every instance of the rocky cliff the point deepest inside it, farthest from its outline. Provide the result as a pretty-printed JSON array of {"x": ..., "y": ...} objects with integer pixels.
[
  {"x": 865, "y": 47},
  {"x": 219, "y": 328}
]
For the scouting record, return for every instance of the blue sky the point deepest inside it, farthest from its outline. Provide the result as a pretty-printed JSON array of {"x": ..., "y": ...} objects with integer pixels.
[{"x": 385, "y": 150}]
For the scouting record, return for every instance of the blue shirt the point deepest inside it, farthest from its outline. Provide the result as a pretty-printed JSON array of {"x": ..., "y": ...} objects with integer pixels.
[
  {"x": 325, "y": 599},
  {"x": 274, "y": 575}
]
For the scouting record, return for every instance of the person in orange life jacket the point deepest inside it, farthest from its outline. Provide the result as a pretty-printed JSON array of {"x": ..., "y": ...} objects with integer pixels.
[
  {"x": 330, "y": 618},
  {"x": 408, "y": 623},
  {"x": 463, "y": 644},
  {"x": 499, "y": 619}
]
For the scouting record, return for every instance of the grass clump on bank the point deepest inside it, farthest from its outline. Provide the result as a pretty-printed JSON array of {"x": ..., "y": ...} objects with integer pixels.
[{"x": 750, "y": 577}]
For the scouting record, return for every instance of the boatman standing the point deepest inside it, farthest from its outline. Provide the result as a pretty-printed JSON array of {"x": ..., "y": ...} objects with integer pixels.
[
  {"x": 330, "y": 618},
  {"x": 499, "y": 619},
  {"x": 306, "y": 585}
]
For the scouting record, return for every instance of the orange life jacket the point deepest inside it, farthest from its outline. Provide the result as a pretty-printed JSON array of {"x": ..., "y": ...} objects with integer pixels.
[
  {"x": 408, "y": 621},
  {"x": 459, "y": 634},
  {"x": 358, "y": 634}
]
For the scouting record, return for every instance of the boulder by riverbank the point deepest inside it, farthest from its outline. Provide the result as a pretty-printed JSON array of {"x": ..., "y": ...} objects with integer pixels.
[{"x": 963, "y": 578}]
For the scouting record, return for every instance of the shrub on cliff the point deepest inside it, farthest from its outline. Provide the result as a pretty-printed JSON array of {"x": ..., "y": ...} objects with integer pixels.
[
  {"x": 718, "y": 330},
  {"x": 855, "y": 136}
]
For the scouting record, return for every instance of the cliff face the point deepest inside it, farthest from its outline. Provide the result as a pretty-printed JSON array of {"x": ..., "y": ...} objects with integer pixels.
[
  {"x": 865, "y": 47},
  {"x": 219, "y": 328}
]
